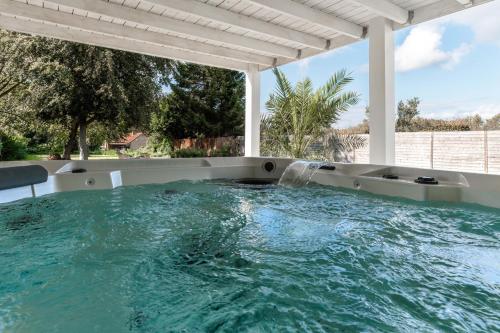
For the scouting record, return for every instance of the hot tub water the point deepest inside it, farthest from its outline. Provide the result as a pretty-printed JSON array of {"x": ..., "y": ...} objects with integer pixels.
[{"x": 216, "y": 256}]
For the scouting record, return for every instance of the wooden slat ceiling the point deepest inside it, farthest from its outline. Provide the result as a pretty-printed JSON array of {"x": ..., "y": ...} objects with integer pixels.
[{"x": 260, "y": 33}]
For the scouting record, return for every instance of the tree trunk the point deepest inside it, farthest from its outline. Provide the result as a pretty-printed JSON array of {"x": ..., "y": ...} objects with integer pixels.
[
  {"x": 71, "y": 143},
  {"x": 82, "y": 142}
]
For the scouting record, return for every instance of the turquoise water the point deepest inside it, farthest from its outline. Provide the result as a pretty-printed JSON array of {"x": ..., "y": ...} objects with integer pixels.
[{"x": 218, "y": 257}]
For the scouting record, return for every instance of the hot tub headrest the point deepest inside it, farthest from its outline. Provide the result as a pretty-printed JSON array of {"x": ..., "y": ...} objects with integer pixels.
[{"x": 13, "y": 177}]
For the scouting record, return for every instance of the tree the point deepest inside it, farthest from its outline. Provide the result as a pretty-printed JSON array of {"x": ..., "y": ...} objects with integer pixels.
[
  {"x": 298, "y": 116},
  {"x": 19, "y": 59},
  {"x": 493, "y": 123},
  {"x": 204, "y": 102},
  {"x": 22, "y": 58},
  {"x": 407, "y": 112},
  {"x": 113, "y": 88}
]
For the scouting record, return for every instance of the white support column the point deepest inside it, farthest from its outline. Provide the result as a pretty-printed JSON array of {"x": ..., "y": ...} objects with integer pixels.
[
  {"x": 252, "y": 112},
  {"x": 382, "y": 96}
]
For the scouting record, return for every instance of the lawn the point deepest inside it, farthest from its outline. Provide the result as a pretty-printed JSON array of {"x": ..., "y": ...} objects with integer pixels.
[{"x": 108, "y": 155}]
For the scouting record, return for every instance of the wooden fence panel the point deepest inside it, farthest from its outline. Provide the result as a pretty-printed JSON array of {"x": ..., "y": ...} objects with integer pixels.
[
  {"x": 459, "y": 151},
  {"x": 414, "y": 149},
  {"x": 470, "y": 151},
  {"x": 493, "y": 152}
]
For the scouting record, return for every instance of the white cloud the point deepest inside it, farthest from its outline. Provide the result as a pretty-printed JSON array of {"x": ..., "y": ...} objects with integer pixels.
[
  {"x": 422, "y": 48},
  {"x": 484, "y": 20}
]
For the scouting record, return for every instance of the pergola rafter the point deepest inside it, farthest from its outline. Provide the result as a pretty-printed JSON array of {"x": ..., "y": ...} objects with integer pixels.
[
  {"x": 80, "y": 36},
  {"x": 19, "y": 9},
  {"x": 176, "y": 26},
  {"x": 216, "y": 14},
  {"x": 318, "y": 17},
  {"x": 386, "y": 9}
]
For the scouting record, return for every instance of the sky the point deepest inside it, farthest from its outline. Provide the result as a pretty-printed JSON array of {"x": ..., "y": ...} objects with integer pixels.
[{"x": 452, "y": 64}]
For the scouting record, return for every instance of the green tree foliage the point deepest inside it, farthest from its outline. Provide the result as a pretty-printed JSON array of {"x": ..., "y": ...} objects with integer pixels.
[
  {"x": 408, "y": 120},
  {"x": 407, "y": 112},
  {"x": 22, "y": 59},
  {"x": 299, "y": 115},
  {"x": 204, "y": 102},
  {"x": 12, "y": 147},
  {"x": 474, "y": 123},
  {"x": 113, "y": 88},
  {"x": 493, "y": 123},
  {"x": 68, "y": 89}
]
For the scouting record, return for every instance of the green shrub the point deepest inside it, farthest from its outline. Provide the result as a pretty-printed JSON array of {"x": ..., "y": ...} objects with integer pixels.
[
  {"x": 225, "y": 151},
  {"x": 159, "y": 146},
  {"x": 12, "y": 148},
  {"x": 189, "y": 153}
]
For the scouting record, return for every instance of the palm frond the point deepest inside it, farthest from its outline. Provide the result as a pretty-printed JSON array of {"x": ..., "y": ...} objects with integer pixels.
[{"x": 298, "y": 115}]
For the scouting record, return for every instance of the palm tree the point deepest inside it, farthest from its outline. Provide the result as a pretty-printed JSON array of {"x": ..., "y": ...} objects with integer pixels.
[{"x": 299, "y": 116}]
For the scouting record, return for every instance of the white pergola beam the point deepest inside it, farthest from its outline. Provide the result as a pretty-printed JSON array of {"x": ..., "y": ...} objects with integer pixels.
[
  {"x": 219, "y": 15},
  {"x": 465, "y": 2},
  {"x": 252, "y": 112},
  {"x": 131, "y": 15},
  {"x": 386, "y": 9},
  {"x": 19, "y": 9},
  {"x": 440, "y": 9},
  {"x": 311, "y": 15},
  {"x": 382, "y": 95},
  {"x": 85, "y": 37}
]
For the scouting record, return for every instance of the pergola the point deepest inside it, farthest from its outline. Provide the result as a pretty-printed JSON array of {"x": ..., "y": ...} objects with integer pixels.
[{"x": 243, "y": 35}]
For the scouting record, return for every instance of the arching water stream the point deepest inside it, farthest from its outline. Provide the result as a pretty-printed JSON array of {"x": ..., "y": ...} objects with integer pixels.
[{"x": 299, "y": 173}]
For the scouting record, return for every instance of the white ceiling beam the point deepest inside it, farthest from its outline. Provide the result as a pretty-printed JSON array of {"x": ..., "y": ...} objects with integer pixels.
[
  {"x": 465, "y": 2},
  {"x": 19, "y": 9},
  {"x": 311, "y": 15},
  {"x": 132, "y": 15},
  {"x": 439, "y": 9},
  {"x": 336, "y": 43},
  {"x": 219, "y": 15},
  {"x": 85, "y": 37},
  {"x": 386, "y": 9}
]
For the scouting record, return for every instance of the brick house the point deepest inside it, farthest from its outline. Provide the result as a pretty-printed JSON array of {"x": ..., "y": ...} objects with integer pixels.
[{"x": 132, "y": 141}]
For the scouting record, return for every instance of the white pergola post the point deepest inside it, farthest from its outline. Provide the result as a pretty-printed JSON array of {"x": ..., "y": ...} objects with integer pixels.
[
  {"x": 382, "y": 96},
  {"x": 252, "y": 112}
]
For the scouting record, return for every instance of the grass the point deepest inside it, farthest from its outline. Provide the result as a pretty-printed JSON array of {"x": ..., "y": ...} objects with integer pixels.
[{"x": 107, "y": 155}]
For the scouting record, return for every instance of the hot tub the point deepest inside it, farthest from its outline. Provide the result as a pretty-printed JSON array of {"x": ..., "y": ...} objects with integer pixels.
[
  {"x": 108, "y": 174},
  {"x": 209, "y": 245}
]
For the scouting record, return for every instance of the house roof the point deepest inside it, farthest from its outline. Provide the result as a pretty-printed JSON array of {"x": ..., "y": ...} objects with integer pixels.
[
  {"x": 131, "y": 137},
  {"x": 234, "y": 34}
]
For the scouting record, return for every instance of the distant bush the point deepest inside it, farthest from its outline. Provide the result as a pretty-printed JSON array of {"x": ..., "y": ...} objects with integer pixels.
[
  {"x": 189, "y": 153},
  {"x": 12, "y": 148},
  {"x": 159, "y": 146},
  {"x": 225, "y": 151}
]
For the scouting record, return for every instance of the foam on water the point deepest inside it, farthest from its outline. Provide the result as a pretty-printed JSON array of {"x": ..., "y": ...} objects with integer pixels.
[{"x": 216, "y": 256}]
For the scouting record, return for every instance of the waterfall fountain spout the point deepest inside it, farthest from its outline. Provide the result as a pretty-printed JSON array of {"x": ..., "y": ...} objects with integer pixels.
[{"x": 299, "y": 173}]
